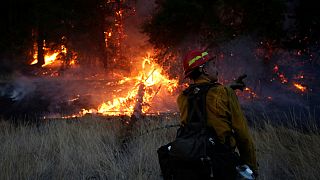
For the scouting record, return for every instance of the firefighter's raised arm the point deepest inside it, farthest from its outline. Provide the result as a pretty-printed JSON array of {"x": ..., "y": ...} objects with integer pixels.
[{"x": 238, "y": 83}]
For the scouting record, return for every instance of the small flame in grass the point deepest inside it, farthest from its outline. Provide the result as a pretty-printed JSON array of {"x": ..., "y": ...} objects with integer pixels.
[{"x": 300, "y": 87}]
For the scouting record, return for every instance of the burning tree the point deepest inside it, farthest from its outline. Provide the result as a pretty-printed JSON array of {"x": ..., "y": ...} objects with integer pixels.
[{"x": 147, "y": 82}]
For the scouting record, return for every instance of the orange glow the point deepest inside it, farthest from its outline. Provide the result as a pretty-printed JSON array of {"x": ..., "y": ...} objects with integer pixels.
[{"x": 300, "y": 87}]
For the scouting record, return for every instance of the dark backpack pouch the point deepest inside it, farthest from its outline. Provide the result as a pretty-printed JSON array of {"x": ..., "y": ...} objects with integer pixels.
[
  {"x": 181, "y": 159},
  {"x": 184, "y": 161},
  {"x": 195, "y": 153}
]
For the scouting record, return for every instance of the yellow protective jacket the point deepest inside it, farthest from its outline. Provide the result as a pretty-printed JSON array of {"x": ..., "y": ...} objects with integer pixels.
[{"x": 226, "y": 117}]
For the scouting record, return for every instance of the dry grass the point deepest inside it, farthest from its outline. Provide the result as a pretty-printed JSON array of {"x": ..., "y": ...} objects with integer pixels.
[
  {"x": 93, "y": 148},
  {"x": 287, "y": 154}
]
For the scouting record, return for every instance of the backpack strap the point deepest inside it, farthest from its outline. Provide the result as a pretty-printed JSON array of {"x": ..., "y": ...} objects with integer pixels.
[{"x": 197, "y": 111}]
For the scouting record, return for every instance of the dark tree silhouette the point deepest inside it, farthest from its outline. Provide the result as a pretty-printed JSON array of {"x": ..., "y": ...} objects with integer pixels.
[{"x": 216, "y": 20}]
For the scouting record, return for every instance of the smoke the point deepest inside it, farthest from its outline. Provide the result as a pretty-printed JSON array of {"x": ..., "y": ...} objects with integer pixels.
[
  {"x": 243, "y": 56},
  {"x": 36, "y": 97},
  {"x": 18, "y": 89},
  {"x": 136, "y": 44}
]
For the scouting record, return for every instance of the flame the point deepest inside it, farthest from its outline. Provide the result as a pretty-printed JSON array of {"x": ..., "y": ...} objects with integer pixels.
[
  {"x": 50, "y": 58},
  {"x": 54, "y": 58},
  {"x": 300, "y": 87},
  {"x": 35, "y": 60},
  {"x": 35, "y": 54},
  {"x": 148, "y": 83}
]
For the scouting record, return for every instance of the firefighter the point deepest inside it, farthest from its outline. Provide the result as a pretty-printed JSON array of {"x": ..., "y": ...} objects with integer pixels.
[{"x": 224, "y": 113}]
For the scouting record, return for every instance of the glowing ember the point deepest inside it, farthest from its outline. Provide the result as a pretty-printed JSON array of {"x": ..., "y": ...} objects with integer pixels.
[
  {"x": 299, "y": 76},
  {"x": 300, "y": 87},
  {"x": 281, "y": 75},
  {"x": 276, "y": 69},
  {"x": 283, "y": 79},
  {"x": 251, "y": 93}
]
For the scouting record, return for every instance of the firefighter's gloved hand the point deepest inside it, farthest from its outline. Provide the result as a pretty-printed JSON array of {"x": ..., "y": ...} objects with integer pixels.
[
  {"x": 255, "y": 174},
  {"x": 238, "y": 83}
]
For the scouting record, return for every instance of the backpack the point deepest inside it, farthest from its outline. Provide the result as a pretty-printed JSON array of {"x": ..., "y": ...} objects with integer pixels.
[{"x": 196, "y": 153}]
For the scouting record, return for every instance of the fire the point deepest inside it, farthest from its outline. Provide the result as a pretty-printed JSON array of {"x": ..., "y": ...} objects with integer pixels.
[
  {"x": 250, "y": 93},
  {"x": 54, "y": 58},
  {"x": 283, "y": 79},
  {"x": 300, "y": 87},
  {"x": 50, "y": 59},
  {"x": 281, "y": 76},
  {"x": 148, "y": 83}
]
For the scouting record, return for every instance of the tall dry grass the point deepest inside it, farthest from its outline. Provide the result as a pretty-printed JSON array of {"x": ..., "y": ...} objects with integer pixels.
[{"x": 94, "y": 148}]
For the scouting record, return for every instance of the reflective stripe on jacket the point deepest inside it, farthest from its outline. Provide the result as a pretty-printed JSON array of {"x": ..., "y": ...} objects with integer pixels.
[{"x": 226, "y": 117}]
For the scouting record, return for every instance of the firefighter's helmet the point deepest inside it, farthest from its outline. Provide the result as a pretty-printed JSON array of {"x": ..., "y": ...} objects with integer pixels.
[{"x": 194, "y": 59}]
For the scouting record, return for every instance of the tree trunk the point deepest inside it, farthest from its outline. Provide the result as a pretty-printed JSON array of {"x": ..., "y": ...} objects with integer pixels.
[{"x": 40, "y": 46}]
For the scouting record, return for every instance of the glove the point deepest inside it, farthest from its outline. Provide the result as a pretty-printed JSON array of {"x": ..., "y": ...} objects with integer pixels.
[
  {"x": 255, "y": 174},
  {"x": 238, "y": 83}
]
